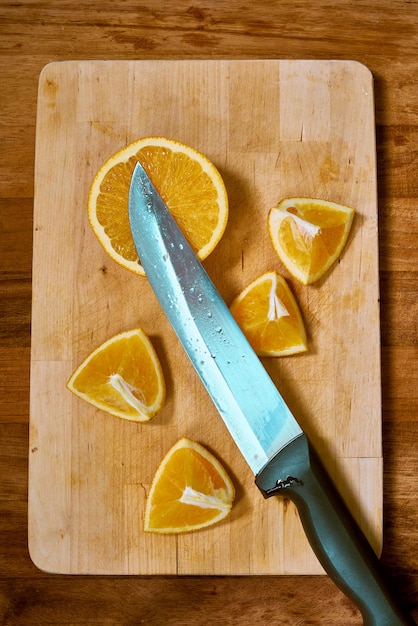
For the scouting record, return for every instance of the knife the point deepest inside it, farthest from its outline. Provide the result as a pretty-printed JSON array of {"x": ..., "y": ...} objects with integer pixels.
[{"x": 269, "y": 437}]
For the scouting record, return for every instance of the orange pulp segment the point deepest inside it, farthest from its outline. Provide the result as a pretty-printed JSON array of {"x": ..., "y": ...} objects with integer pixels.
[
  {"x": 309, "y": 235},
  {"x": 123, "y": 377},
  {"x": 188, "y": 182},
  {"x": 269, "y": 317},
  {"x": 190, "y": 490}
]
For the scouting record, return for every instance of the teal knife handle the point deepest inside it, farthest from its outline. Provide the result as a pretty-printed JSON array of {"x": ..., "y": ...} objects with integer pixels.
[{"x": 296, "y": 472}]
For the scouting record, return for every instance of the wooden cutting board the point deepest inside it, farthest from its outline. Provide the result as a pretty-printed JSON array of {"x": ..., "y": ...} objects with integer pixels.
[{"x": 274, "y": 129}]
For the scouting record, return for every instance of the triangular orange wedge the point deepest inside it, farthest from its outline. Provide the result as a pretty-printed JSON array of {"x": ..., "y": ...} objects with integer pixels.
[
  {"x": 190, "y": 490},
  {"x": 269, "y": 317},
  {"x": 188, "y": 182},
  {"x": 123, "y": 376},
  {"x": 309, "y": 235}
]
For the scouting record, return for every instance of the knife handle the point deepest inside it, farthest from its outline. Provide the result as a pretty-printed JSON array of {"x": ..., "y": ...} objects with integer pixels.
[{"x": 296, "y": 472}]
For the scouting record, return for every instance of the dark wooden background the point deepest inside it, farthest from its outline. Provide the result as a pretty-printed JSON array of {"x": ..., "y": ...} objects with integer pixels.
[{"x": 383, "y": 34}]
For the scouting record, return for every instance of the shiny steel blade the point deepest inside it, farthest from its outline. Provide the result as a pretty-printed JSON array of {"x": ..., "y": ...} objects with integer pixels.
[{"x": 245, "y": 396}]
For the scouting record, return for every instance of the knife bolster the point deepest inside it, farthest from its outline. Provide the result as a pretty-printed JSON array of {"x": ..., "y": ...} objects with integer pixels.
[{"x": 285, "y": 469}]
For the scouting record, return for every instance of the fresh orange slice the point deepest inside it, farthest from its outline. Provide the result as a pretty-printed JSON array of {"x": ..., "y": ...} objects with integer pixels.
[
  {"x": 269, "y": 317},
  {"x": 123, "y": 377},
  {"x": 309, "y": 235},
  {"x": 189, "y": 183},
  {"x": 190, "y": 490}
]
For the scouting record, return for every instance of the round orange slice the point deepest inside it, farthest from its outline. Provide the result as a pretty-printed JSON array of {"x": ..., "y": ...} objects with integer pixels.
[
  {"x": 188, "y": 182},
  {"x": 190, "y": 490},
  {"x": 123, "y": 377},
  {"x": 269, "y": 317},
  {"x": 309, "y": 235}
]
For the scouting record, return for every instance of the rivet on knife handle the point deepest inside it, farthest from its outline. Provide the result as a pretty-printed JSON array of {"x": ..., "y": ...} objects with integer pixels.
[{"x": 297, "y": 473}]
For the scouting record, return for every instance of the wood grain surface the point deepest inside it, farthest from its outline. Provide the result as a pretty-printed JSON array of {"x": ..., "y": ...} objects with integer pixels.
[
  {"x": 274, "y": 129},
  {"x": 382, "y": 35}
]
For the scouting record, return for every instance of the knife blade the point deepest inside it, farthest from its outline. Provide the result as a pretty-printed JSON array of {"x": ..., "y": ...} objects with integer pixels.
[{"x": 267, "y": 434}]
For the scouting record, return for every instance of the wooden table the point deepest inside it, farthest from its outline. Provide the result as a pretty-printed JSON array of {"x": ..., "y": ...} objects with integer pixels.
[{"x": 381, "y": 34}]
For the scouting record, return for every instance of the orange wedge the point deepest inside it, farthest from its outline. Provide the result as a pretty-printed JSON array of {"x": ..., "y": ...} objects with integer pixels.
[
  {"x": 190, "y": 490},
  {"x": 309, "y": 235},
  {"x": 123, "y": 377},
  {"x": 269, "y": 317},
  {"x": 188, "y": 182}
]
